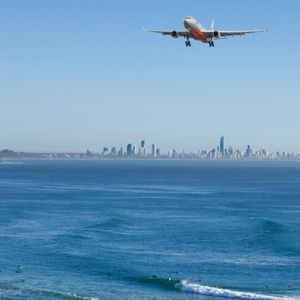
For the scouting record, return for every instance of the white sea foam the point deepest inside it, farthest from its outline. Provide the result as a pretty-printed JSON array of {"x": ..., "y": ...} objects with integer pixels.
[
  {"x": 225, "y": 293},
  {"x": 82, "y": 297},
  {"x": 6, "y": 162}
]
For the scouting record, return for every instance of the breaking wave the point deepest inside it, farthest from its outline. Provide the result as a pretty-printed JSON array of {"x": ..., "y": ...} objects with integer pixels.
[{"x": 185, "y": 286}]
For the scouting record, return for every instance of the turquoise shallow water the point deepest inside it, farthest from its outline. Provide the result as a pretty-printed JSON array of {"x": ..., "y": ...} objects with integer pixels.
[{"x": 150, "y": 230}]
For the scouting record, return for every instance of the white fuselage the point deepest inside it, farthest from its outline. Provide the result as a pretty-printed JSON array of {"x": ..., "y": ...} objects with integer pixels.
[{"x": 195, "y": 29}]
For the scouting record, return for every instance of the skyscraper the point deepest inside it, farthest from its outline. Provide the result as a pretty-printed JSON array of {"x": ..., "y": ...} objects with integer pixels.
[
  {"x": 113, "y": 151},
  {"x": 121, "y": 152},
  {"x": 157, "y": 152},
  {"x": 129, "y": 150},
  {"x": 153, "y": 150},
  {"x": 222, "y": 146},
  {"x": 143, "y": 144},
  {"x": 248, "y": 153},
  {"x": 133, "y": 152}
]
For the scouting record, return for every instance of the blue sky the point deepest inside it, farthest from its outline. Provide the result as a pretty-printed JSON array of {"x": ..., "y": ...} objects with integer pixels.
[{"x": 82, "y": 74}]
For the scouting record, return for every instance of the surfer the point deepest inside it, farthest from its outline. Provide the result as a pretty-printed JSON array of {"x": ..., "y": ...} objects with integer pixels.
[{"x": 19, "y": 269}]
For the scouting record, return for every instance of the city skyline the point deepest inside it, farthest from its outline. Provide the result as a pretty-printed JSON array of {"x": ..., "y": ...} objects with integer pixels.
[
  {"x": 71, "y": 80},
  {"x": 221, "y": 151},
  {"x": 143, "y": 150},
  {"x": 136, "y": 144}
]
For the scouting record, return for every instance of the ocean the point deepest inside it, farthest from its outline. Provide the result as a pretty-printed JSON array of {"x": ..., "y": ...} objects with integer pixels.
[{"x": 142, "y": 229}]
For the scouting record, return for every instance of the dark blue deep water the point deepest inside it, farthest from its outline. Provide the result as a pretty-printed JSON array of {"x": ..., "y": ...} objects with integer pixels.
[{"x": 149, "y": 230}]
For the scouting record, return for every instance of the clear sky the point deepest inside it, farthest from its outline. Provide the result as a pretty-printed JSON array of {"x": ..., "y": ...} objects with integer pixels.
[{"x": 82, "y": 74}]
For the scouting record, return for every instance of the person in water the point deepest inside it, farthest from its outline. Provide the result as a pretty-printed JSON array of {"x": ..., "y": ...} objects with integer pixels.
[{"x": 19, "y": 269}]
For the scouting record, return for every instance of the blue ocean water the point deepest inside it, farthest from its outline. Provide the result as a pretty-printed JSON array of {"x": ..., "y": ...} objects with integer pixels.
[{"x": 134, "y": 229}]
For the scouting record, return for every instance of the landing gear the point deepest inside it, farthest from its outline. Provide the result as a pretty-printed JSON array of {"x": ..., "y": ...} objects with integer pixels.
[
  {"x": 188, "y": 43},
  {"x": 211, "y": 44}
]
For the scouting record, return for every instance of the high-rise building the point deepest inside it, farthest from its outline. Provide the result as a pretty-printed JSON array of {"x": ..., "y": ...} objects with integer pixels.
[
  {"x": 157, "y": 152},
  {"x": 105, "y": 151},
  {"x": 113, "y": 151},
  {"x": 143, "y": 144},
  {"x": 153, "y": 150},
  {"x": 174, "y": 153},
  {"x": 129, "y": 150},
  {"x": 222, "y": 143},
  {"x": 144, "y": 152},
  {"x": 121, "y": 152},
  {"x": 134, "y": 150},
  {"x": 248, "y": 153}
]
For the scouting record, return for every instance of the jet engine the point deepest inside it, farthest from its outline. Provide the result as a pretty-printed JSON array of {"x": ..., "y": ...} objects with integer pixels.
[
  {"x": 216, "y": 34},
  {"x": 175, "y": 34}
]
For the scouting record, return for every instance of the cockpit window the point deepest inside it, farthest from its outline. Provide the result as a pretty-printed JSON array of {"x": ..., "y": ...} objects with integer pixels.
[{"x": 188, "y": 18}]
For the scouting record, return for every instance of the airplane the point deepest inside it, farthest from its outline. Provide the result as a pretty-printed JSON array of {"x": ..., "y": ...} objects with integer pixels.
[{"x": 194, "y": 30}]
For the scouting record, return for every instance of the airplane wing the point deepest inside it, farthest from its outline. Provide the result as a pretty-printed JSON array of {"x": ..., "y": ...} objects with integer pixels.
[
  {"x": 173, "y": 33},
  {"x": 235, "y": 33},
  {"x": 225, "y": 34}
]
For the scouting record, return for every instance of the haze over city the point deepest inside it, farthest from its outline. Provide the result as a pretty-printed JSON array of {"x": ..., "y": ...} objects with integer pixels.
[{"x": 84, "y": 75}]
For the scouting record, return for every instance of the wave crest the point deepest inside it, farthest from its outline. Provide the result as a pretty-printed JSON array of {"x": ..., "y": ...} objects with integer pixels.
[{"x": 185, "y": 286}]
